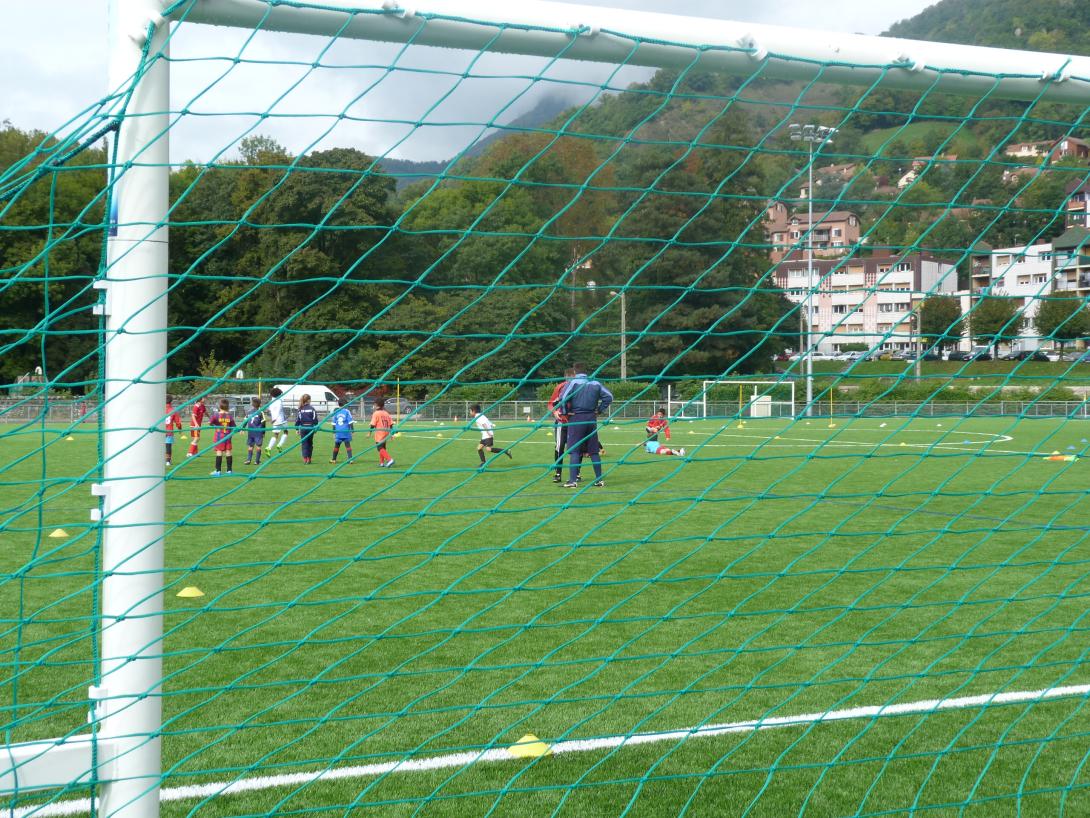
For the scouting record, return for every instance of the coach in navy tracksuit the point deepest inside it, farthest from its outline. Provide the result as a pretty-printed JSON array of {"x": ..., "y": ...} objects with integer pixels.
[{"x": 583, "y": 400}]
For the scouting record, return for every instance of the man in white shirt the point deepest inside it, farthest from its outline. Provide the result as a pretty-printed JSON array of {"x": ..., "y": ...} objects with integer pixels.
[
  {"x": 487, "y": 429},
  {"x": 279, "y": 422}
]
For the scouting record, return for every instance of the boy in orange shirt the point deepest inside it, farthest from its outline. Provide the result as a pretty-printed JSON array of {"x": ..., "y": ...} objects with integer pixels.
[{"x": 381, "y": 423}]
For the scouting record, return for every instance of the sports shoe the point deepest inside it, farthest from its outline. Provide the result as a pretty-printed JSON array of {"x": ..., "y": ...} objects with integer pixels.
[
  {"x": 599, "y": 483},
  {"x": 508, "y": 453},
  {"x": 169, "y": 463},
  {"x": 334, "y": 462},
  {"x": 228, "y": 472},
  {"x": 214, "y": 474},
  {"x": 681, "y": 452},
  {"x": 557, "y": 478},
  {"x": 247, "y": 463},
  {"x": 189, "y": 454},
  {"x": 389, "y": 462},
  {"x": 571, "y": 484}
]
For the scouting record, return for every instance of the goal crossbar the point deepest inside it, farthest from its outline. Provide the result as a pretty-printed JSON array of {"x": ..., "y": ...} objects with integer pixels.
[{"x": 652, "y": 39}]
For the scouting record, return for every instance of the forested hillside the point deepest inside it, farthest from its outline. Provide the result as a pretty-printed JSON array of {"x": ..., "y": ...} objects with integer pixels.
[
  {"x": 330, "y": 262},
  {"x": 1037, "y": 25}
]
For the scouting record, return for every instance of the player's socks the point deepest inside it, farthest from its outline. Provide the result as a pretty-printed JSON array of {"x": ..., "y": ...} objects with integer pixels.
[
  {"x": 219, "y": 462},
  {"x": 230, "y": 462}
]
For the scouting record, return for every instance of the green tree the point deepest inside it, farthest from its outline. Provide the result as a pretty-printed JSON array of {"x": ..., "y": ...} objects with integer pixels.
[
  {"x": 995, "y": 319},
  {"x": 941, "y": 321},
  {"x": 1063, "y": 319}
]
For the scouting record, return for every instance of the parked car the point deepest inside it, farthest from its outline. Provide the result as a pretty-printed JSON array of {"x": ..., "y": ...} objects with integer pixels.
[
  {"x": 959, "y": 355},
  {"x": 1025, "y": 355},
  {"x": 931, "y": 356},
  {"x": 321, "y": 397}
]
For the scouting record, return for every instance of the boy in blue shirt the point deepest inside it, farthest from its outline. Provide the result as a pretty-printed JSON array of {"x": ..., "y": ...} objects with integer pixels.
[
  {"x": 343, "y": 424},
  {"x": 306, "y": 421}
]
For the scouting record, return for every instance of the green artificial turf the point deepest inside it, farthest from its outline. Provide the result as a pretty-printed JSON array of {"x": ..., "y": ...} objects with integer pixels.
[{"x": 356, "y": 615}]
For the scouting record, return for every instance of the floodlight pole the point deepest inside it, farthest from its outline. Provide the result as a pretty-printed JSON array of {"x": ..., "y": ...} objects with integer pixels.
[
  {"x": 129, "y": 706},
  {"x": 823, "y": 136}
]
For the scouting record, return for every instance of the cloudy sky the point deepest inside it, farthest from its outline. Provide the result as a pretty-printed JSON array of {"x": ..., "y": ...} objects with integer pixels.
[{"x": 54, "y": 66}]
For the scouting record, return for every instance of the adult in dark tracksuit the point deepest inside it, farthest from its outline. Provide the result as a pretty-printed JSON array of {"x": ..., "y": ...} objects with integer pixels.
[{"x": 582, "y": 401}]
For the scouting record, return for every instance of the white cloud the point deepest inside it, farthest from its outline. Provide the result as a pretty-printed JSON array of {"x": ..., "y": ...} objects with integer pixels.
[{"x": 57, "y": 61}]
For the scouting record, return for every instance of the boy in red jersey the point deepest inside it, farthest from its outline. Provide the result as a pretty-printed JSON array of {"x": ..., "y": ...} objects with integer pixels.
[
  {"x": 174, "y": 424},
  {"x": 381, "y": 423},
  {"x": 658, "y": 423},
  {"x": 197, "y": 414},
  {"x": 560, "y": 420},
  {"x": 223, "y": 426}
]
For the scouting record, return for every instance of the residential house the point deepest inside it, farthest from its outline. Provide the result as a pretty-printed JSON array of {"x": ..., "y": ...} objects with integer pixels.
[{"x": 835, "y": 233}]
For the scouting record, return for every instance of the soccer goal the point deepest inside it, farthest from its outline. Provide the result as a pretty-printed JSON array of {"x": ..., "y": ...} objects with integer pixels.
[
  {"x": 747, "y": 398},
  {"x": 465, "y": 200}
]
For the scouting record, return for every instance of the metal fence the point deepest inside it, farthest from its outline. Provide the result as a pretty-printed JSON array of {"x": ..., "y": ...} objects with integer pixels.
[{"x": 70, "y": 412}]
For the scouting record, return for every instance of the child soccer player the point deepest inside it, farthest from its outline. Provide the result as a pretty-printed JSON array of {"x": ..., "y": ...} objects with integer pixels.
[
  {"x": 343, "y": 424},
  {"x": 174, "y": 424},
  {"x": 223, "y": 426},
  {"x": 279, "y": 422},
  {"x": 197, "y": 413},
  {"x": 305, "y": 422},
  {"x": 658, "y": 423},
  {"x": 381, "y": 423},
  {"x": 487, "y": 429},
  {"x": 653, "y": 447},
  {"x": 255, "y": 431},
  {"x": 560, "y": 425}
]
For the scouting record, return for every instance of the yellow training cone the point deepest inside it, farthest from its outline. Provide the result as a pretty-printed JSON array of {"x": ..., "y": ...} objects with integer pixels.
[
  {"x": 59, "y": 533},
  {"x": 832, "y": 425},
  {"x": 190, "y": 591},
  {"x": 438, "y": 435},
  {"x": 70, "y": 438},
  {"x": 529, "y": 746},
  {"x": 903, "y": 443},
  {"x": 397, "y": 434}
]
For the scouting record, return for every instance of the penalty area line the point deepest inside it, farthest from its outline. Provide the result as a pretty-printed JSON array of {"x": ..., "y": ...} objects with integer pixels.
[{"x": 464, "y": 759}]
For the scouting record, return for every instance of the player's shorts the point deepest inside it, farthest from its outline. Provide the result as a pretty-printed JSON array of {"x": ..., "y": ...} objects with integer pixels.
[
  {"x": 170, "y": 440},
  {"x": 652, "y": 446},
  {"x": 194, "y": 432},
  {"x": 254, "y": 438},
  {"x": 222, "y": 446},
  {"x": 487, "y": 442},
  {"x": 342, "y": 437}
]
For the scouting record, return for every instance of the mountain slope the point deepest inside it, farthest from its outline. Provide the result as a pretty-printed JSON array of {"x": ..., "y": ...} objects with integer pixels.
[{"x": 1037, "y": 25}]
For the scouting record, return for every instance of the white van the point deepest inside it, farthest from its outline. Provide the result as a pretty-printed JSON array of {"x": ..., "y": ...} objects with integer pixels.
[{"x": 321, "y": 397}]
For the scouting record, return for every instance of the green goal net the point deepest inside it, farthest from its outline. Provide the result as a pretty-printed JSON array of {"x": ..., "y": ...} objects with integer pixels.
[{"x": 413, "y": 412}]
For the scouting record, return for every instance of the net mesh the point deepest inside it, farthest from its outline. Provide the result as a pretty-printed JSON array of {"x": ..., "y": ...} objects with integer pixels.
[{"x": 871, "y": 603}]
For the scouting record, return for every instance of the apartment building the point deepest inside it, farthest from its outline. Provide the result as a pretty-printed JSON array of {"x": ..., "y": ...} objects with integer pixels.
[
  {"x": 1071, "y": 262},
  {"x": 1023, "y": 273},
  {"x": 865, "y": 300},
  {"x": 835, "y": 233}
]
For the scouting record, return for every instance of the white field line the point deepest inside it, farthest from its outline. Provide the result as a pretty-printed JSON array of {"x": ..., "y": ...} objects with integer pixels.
[{"x": 83, "y": 805}]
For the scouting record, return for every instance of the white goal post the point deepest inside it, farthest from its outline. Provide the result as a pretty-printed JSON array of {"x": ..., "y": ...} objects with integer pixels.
[{"x": 123, "y": 750}]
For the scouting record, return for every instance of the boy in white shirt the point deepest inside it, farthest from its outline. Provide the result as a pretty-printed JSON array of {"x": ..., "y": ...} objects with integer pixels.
[
  {"x": 279, "y": 422},
  {"x": 486, "y": 428}
]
